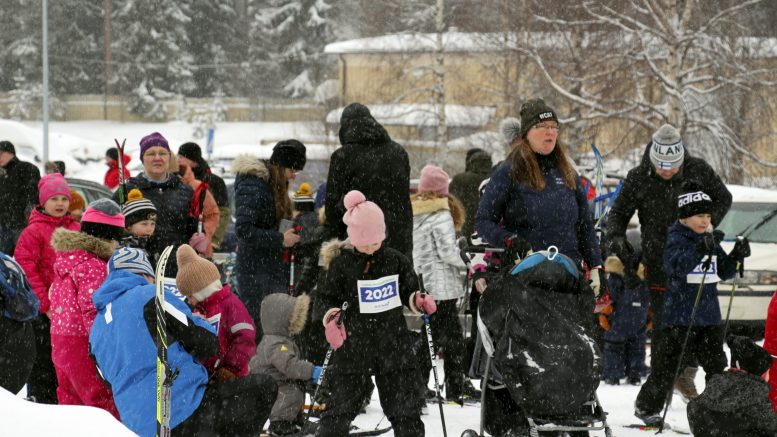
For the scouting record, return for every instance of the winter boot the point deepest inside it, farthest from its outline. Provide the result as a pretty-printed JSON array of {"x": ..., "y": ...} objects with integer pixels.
[
  {"x": 283, "y": 428},
  {"x": 462, "y": 392},
  {"x": 635, "y": 380},
  {"x": 650, "y": 419},
  {"x": 685, "y": 384},
  {"x": 612, "y": 381}
]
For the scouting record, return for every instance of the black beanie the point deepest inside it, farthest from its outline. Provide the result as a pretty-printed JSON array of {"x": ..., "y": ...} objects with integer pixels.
[
  {"x": 693, "y": 201},
  {"x": 112, "y": 153},
  {"x": 191, "y": 151},
  {"x": 289, "y": 154},
  {"x": 7, "y": 146},
  {"x": 748, "y": 356},
  {"x": 535, "y": 111}
]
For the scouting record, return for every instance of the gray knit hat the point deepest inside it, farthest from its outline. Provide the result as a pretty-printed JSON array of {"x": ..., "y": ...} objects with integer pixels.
[
  {"x": 510, "y": 128},
  {"x": 667, "y": 151},
  {"x": 132, "y": 260}
]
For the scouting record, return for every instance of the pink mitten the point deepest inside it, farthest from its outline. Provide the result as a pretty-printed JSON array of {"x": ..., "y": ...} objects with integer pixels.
[
  {"x": 425, "y": 303},
  {"x": 199, "y": 242},
  {"x": 335, "y": 333}
]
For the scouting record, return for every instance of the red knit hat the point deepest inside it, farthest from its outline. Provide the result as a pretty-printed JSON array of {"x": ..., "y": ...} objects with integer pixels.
[
  {"x": 433, "y": 179},
  {"x": 364, "y": 220}
]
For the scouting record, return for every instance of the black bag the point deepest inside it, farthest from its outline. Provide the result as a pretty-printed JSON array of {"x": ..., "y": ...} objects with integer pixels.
[
  {"x": 17, "y": 300},
  {"x": 544, "y": 344}
]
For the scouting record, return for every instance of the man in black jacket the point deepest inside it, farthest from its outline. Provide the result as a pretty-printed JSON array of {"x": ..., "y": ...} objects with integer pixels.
[
  {"x": 651, "y": 189},
  {"x": 465, "y": 185},
  {"x": 18, "y": 195},
  {"x": 371, "y": 162}
]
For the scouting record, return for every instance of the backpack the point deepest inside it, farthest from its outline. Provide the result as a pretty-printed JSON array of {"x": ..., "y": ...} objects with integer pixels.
[{"x": 17, "y": 300}]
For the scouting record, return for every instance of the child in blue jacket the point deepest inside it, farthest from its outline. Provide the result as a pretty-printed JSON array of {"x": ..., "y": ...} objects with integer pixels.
[
  {"x": 694, "y": 263},
  {"x": 625, "y": 321}
]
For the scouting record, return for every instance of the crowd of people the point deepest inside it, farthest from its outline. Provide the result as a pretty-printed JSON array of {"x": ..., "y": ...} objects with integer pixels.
[{"x": 337, "y": 268}]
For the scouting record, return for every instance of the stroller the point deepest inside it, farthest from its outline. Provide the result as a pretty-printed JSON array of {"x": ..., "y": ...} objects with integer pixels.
[{"x": 535, "y": 352}]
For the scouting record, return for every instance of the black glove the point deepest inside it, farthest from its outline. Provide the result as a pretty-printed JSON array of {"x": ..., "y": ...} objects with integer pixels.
[
  {"x": 619, "y": 246},
  {"x": 516, "y": 248},
  {"x": 707, "y": 243},
  {"x": 741, "y": 250},
  {"x": 631, "y": 279}
]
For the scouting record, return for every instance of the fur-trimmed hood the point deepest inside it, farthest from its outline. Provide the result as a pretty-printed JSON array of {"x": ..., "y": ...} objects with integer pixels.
[
  {"x": 332, "y": 249},
  {"x": 63, "y": 240},
  {"x": 250, "y": 165},
  {"x": 614, "y": 265},
  {"x": 425, "y": 203},
  {"x": 284, "y": 315}
]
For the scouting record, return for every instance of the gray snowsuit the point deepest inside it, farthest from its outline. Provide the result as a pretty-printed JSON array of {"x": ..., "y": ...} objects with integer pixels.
[{"x": 282, "y": 316}]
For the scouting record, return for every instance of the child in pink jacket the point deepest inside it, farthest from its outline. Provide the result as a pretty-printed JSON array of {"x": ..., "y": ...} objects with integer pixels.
[
  {"x": 36, "y": 256},
  {"x": 199, "y": 280},
  {"x": 80, "y": 269}
]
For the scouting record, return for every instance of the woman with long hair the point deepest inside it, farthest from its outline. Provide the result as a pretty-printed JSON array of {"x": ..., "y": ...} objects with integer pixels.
[
  {"x": 535, "y": 198},
  {"x": 261, "y": 205}
]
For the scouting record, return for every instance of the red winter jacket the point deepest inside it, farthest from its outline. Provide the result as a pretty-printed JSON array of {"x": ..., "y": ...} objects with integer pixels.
[
  {"x": 237, "y": 332},
  {"x": 770, "y": 344},
  {"x": 80, "y": 269},
  {"x": 112, "y": 175},
  {"x": 36, "y": 256}
]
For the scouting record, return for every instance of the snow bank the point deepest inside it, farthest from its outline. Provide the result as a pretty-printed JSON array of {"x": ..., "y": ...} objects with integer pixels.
[{"x": 23, "y": 418}]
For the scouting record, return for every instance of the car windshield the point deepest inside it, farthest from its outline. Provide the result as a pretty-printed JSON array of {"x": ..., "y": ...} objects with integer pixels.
[{"x": 742, "y": 216}]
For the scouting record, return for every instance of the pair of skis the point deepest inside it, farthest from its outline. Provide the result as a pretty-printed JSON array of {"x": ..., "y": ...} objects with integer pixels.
[{"x": 164, "y": 374}]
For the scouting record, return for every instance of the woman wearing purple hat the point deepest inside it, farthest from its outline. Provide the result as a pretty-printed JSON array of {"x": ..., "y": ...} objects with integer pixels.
[{"x": 169, "y": 194}]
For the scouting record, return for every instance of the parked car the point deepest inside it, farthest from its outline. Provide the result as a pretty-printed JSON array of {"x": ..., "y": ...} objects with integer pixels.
[
  {"x": 90, "y": 190},
  {"x": 754, "y": 291}
]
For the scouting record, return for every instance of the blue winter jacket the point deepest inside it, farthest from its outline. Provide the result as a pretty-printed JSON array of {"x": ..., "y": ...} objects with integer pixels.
[
  {"x": 556, "y": 215},
  {"x": 630, "y": 307},
  {"x": 260, "y": 267},
  {"x": 126, "y": 354},
  {"x": 682, "y": 263}
]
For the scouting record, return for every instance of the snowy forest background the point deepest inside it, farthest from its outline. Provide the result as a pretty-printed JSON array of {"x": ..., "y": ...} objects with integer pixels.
[{"x": 713, "y": 61}]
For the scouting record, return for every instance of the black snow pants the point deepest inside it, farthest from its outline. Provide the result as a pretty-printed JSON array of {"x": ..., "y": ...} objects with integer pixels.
[
  {"x": 235, "y": 408},
  {"x": 17, "y": 353},
  {"x": 396, "y": 390},
  {"x": 705, "y": 343},
  {"x": 42, "y": 384}
]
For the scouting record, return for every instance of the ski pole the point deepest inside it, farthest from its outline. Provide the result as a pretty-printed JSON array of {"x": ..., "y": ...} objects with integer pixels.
[
  {"x": 323, "y": 369},
  {"x": 428, "y": 326},
  {"x": 292, "y": 258},
  {"x": 741, "y": 271},
  {"x": 705, "y": 267}
]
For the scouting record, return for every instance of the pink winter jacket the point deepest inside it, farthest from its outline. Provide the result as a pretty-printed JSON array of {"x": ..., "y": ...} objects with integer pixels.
[
  {"x": 80, "y": 269},
  {"x": 36, "y": 256},
  {"x": 237, "y": 331}
]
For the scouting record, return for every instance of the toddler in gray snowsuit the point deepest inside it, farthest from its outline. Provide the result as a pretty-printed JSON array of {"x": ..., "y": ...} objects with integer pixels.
[{"x": 277, "y": 355}]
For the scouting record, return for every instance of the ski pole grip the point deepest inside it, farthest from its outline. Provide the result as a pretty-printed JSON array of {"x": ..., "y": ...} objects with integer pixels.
[
  {"x": 482, "y": 249},
  {"x": 343, "y": 307},
  {"x": 421, "y": 287}
]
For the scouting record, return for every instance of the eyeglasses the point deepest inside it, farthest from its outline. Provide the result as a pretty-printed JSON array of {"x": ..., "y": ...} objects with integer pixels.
[
  {"x": 544, "y": 126},
  {"x": 155, "y": 154}
]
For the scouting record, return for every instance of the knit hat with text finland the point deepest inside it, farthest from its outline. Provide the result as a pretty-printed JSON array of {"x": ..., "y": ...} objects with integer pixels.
[{"x": 666, "y": 150}]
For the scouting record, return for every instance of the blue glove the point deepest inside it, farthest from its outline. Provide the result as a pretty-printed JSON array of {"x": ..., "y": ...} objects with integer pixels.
[{"x": 316, "y": 373}]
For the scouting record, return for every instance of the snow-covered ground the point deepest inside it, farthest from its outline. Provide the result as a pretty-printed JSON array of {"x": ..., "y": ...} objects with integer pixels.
[{"x": 22, "y": 418}]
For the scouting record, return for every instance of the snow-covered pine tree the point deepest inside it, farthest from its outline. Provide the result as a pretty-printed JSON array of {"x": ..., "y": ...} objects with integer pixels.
[
  {"x": 216, "y": 37},
  {"x": 76, "y": 67},
  {"x": 21, "y": 56},
  {"x": 151, "y": 50},
  {"x": 287, "y": 38}
]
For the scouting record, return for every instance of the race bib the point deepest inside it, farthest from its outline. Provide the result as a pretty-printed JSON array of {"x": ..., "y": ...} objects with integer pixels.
[
  {"x": 169, "y": 285},
  {"x": 378, "y": 295},
  {"x": 698, "y": 272}
]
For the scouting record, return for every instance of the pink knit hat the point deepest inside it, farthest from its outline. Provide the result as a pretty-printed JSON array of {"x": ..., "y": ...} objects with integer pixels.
[
  {"x": 433, "y": 179},
  {"x": 52, "y": 185},
  {"x": 103, "y": 219},
  {"x": 364, "y": 220}
]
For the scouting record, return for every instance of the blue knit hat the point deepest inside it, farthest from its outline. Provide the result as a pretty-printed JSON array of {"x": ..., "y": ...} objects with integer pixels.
[{"x": 132, "y": 260}]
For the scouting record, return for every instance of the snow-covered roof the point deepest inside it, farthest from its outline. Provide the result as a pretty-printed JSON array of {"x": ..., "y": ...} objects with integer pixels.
[
  {"x": 470, "y": 42},
  {"x": 422, "y": 114},
  {"x": 744, "y": 194}
]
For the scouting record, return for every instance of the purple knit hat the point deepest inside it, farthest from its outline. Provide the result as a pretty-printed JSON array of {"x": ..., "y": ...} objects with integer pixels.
[
  {"x": 151, "y": 140},
  {"x": 52, "y": 185}
]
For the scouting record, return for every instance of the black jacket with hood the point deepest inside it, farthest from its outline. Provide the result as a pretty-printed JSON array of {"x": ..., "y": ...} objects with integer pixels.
[
  {"x": 655, "y": 201},
  {"x": 19, "y": 193},
  {"x": 465, "y": 187},
  {"x": 369, "y": 161}
]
